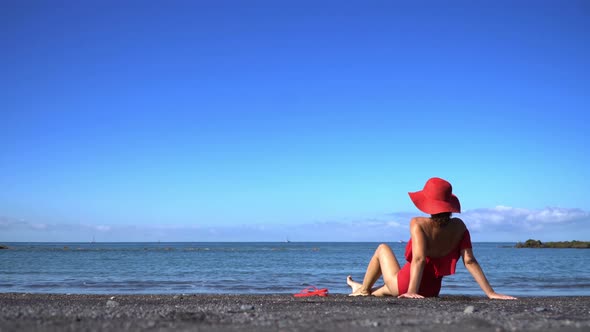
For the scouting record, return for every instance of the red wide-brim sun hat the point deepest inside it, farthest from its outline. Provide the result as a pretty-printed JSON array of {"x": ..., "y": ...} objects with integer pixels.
[{"x": 436, "y": 197}]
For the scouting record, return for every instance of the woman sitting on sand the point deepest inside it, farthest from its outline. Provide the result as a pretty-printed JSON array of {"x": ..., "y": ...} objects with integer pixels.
[{"x": 433, "y": 251}]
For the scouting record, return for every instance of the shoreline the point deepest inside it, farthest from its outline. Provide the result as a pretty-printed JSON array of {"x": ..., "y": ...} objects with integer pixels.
[{"x": 224, "y": 312}]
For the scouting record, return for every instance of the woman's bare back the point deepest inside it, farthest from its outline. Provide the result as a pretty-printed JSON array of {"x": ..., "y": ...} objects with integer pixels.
[{"x": 440, "y": 240}]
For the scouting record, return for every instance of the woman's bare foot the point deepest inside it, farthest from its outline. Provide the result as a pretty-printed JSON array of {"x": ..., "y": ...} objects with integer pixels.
[{"x": 356, "y": 287}]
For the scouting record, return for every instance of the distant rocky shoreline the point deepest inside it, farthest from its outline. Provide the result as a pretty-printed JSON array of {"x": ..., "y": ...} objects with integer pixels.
[{"x": 530, "y": 243}]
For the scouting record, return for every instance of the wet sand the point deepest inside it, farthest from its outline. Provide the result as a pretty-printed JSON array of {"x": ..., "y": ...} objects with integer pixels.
[{"x": 48, "y": 312}]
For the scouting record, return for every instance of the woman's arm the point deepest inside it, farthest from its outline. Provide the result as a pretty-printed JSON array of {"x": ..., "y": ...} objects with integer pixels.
[
  {"x": 418, "y": 261},
  {"x": 473, "y": 267}
]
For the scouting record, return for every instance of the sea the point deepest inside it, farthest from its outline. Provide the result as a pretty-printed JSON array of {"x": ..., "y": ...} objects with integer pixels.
[{"x": 267, "y": 268}]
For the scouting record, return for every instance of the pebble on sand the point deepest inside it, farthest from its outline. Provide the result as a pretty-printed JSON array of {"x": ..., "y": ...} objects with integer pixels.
[
  {"x": 246, "y": 307},
  {"x": 112, "y": 304},
  {"x": 469, "y": 309}
]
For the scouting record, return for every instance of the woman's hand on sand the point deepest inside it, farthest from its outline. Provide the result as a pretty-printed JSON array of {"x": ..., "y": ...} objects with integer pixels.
[
  {"x": 410, "y": 296},
  {"x": 496, "y": 296}
]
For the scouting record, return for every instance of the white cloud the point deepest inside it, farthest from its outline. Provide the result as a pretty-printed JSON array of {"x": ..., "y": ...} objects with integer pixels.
[
  {"x": 519, "y": 218},
  {"x": 501, "y": 223},
  {"x": 102, "y": 228},
  {"x": 394, "y": 224},
  {"x": 6, "y": 222},
  {"x": 556, "y": 215}
]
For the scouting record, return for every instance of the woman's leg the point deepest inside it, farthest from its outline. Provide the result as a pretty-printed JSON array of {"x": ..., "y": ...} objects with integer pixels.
[
  {"x": 383, "y": 263},
  {"x": 376, "y": 291}
]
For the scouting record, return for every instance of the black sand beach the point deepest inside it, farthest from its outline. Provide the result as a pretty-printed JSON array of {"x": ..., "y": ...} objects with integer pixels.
[{"x": 47, "y": 312}]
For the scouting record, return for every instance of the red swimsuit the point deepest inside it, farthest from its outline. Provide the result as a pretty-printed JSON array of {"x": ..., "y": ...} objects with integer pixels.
[{"x": 434, "y": 269}]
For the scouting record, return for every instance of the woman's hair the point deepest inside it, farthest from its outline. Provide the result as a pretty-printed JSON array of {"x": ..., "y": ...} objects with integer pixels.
[{"x": 441, "y": 219}]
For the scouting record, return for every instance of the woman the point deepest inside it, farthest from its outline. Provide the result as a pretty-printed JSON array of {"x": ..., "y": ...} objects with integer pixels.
[{"x": 433, "y": 251}]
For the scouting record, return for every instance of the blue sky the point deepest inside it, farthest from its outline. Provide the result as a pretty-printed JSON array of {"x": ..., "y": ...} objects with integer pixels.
[{"x": 261, "y": 120}]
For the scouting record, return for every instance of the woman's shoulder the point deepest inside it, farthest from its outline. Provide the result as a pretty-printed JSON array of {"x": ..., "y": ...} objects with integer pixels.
[
  {"x": 418, "y": 221},
  {"x": 459, "y": 223},
  {"x": 422, "y": 220},
  {"x": 423, "y": 223}
]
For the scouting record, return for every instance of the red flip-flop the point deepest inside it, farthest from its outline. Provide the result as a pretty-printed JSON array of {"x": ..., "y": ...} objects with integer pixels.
[{"x": 312, "y": 291}]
